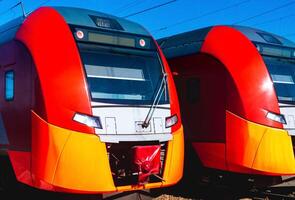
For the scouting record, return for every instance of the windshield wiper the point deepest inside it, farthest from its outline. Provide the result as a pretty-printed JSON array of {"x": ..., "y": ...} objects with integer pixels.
[{"x": 156, "y": 101}]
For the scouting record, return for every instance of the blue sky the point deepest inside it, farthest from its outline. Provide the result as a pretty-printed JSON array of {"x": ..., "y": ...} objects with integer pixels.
[{"x": 182, "y": 15}]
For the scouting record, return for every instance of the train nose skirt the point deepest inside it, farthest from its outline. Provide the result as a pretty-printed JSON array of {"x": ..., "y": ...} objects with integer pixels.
[{"x": 136, "y": 164}]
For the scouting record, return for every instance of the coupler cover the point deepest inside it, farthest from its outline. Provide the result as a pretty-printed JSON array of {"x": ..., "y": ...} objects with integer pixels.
[{"x": 146, "y": 162}]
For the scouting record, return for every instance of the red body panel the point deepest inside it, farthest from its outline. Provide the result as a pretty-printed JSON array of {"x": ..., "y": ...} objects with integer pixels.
[
  {"x": 251, "y": 89},
  {"x": 21, "y": 163},
  {"x": 43, "y": 32},
  {"x": 211, "y": 154}
]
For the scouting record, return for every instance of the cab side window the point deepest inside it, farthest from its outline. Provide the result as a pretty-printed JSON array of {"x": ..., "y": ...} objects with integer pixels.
[{"x": 9, "y": 85}]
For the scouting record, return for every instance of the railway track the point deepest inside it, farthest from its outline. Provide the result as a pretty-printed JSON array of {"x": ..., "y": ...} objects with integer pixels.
[
  {"x": 190, "y": 188},
  {"x": 273, "y": 193},
  {"x": 183, "y": 191}
]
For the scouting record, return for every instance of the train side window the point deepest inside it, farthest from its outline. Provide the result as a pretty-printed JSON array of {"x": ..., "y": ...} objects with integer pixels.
[
  {"x": 9, "y": 85},
  {"x": 193, "y": 90}
]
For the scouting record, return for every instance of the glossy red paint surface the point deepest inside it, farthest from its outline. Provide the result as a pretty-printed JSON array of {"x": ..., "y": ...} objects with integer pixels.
[
  {"x": 252, "y": 93},
  {"x": 146, "y": 161},
  {"x": 211, "y": 154},
  {"x": 21, "y": 163},
  {"x": 63, "y": 88}
]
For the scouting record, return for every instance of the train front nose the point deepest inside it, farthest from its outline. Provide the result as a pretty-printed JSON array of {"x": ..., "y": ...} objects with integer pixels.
[
  {"x": 71, "y": 161},
  {"x": 264, "y": 149}
]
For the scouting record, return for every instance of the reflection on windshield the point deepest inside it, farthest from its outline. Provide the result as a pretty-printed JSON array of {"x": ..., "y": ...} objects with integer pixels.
[
  {"x": 116, "y": 77},
  {"x": 282, "y": 72},
  {"x": 95, "y": 71}
]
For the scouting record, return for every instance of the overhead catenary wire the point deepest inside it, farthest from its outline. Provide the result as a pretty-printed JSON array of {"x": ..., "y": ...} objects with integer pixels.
[
  {"x": 20, "y": 3},
  {"x": 128, "y": 6},
  {"x": 9, "y": 9},
  {"x": 274, "y": 20},
  {"x": 265, "y": 12},
  {"x": 151, "y": 8},
  {"x": 200, "y": 16}
]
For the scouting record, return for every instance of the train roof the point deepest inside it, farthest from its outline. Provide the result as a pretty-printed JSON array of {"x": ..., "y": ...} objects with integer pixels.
[
  {"x": 73, "y": 16},
  {"x": 256, "y": 35},
  {"x": 9, "y": 29},
  {"x": 81, "y": 17},
  {"x": 190, "y": 42},
  {"x": 184, "y": 43}
]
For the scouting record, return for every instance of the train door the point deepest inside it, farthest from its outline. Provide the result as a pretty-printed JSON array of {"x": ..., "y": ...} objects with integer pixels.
[
  {"x": 188, "y": 88},
  {"x": 201, "y": 83},
  {"x": 15, "y": 95}
]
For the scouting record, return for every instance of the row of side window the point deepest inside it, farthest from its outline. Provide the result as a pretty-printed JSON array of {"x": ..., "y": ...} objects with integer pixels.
[{"x": 9, "y": 85}]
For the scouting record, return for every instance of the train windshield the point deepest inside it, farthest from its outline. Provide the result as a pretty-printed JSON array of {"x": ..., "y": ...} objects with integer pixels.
[
  {"x": 282, "y": 72},
  {"x": 122, "y": 75}
]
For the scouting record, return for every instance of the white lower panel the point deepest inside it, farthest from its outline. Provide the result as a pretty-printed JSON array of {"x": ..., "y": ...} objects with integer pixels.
[
  {"x": 110, "y": 123},
  {"x": 128, "y": 120},
  {"x": 289, "y": 112}
]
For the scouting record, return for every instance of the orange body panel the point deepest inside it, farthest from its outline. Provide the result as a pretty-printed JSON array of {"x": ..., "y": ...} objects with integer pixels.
[
  {"x": 174, "y": 158},
  {"x": 249, "y": 148},
  {"x": 69, "y": 159},
  {"x": 84, "y": 164},
  {"x": 258, "y": 147}
]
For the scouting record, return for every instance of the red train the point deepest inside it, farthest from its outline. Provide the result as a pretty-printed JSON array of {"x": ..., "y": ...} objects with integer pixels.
[
  {"x": 236, "y": 87},
  {"x": 88, "y": 104}
]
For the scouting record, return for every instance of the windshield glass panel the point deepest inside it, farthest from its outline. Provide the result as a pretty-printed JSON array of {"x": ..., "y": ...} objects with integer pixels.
[
  {"x": 282, "y": 72},
  {"x": 124, "y": 76}
]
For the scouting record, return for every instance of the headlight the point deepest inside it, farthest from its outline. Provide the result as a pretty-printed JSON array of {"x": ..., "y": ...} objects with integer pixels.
[
  {"x": 276, "y": 117},
  {"x": 87, "y": 120},
  {"x": 170, "y": 121}
]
